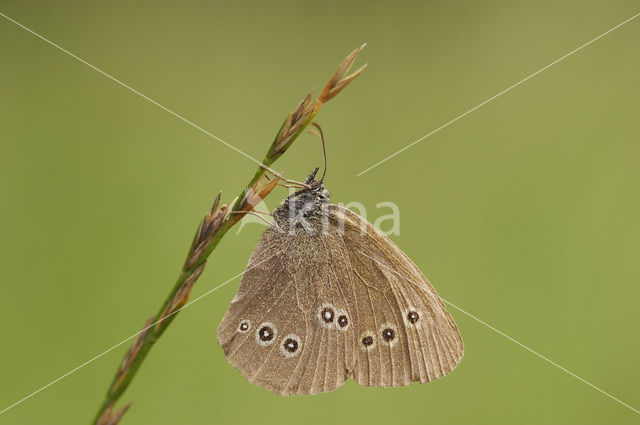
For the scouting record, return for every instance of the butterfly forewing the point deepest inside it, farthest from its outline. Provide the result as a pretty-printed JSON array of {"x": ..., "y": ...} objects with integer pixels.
[{"x": 291, "y": 285}]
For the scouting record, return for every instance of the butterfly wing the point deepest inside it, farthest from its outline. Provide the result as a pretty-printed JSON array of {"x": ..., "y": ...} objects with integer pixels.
[
  {"x": 314, "y": 310},
  {"x": 274, "y": 331},
  {"x": 403, "y": 331}
]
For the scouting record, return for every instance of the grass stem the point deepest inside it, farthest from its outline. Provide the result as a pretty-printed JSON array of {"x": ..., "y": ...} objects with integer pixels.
[{"x": 216, "y": 223}]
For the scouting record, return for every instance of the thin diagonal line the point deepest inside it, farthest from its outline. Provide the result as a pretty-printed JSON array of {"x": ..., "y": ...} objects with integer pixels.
[
  {"x": 132, "y": 336},
  {"x": 109, "y": 76},
  {"x": 541, "y": 356},
  {"x": 498, "y": 95},
  {"x": 548, "y": 360}
]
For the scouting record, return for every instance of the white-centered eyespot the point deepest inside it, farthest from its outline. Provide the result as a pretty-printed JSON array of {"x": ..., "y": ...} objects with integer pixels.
[
  {"x": 291, "y": 345},
  {"x": 244, "y": 326},
  {"x": 342, "y": 321},
  {"x": 388, "y": 334},
  {"x": 326, "y": 315},
  {"x": 367, "y": 341},
  {"x": 266, "y": 333},
  {"x": 412, "y": 316}
]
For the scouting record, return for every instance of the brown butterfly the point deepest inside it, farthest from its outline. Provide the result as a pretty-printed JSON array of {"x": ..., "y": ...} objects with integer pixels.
[{"x": 325, "y": 297}]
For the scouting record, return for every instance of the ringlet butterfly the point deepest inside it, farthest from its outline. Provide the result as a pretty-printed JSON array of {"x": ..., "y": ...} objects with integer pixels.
[{"x": 326, "y": 296}]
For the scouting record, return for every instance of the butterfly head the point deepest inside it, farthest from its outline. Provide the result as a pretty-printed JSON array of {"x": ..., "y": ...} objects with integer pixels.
[{"x": 303, "y": 208}]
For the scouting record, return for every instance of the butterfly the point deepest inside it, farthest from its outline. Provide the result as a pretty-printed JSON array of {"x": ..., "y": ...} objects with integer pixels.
[{"x": 327, "y": 297}]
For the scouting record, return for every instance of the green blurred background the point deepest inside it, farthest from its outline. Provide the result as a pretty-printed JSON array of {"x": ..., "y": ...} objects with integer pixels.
[{"x": 523, "y": 213}]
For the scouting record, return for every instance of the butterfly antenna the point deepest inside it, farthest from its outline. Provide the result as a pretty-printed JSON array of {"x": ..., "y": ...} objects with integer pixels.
[{"x": 320, "y": 135}]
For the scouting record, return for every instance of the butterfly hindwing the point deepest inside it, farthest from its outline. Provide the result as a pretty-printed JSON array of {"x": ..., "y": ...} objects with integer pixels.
[{"x": 392, "y": 292}]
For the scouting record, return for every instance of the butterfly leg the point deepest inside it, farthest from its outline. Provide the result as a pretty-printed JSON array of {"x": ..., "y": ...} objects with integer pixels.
[
  {"x": 293, "y": 183},
  {"x": 257, "y": 214},
  {"x": 288, "y": 186}
]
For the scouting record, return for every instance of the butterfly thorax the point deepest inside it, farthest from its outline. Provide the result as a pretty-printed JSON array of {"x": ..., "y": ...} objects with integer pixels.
[{"x": 304, "y": 210}]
